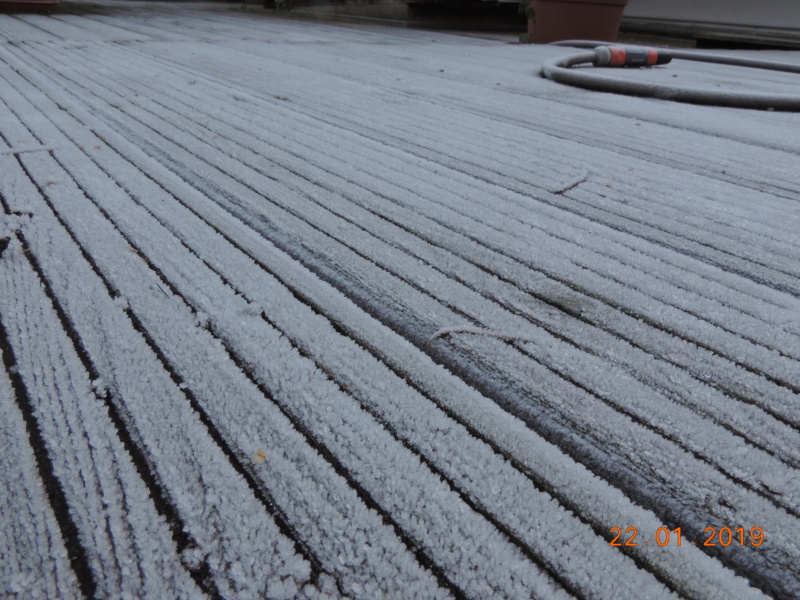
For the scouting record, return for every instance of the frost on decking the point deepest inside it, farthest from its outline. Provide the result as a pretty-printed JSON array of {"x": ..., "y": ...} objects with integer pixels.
[{"x": 302, "y": 310}]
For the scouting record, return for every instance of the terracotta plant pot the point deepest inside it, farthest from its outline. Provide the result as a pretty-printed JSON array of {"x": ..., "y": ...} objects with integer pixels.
[{"x": 557, "y": 20}]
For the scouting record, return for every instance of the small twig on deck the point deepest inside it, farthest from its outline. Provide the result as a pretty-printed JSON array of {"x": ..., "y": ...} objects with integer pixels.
[
  {"x": 572, "y": 185},
  {"x": 15, "y": 151}
]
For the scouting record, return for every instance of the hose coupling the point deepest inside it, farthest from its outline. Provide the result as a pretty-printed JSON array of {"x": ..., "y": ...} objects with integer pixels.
[{"x": 629, "y": 56}]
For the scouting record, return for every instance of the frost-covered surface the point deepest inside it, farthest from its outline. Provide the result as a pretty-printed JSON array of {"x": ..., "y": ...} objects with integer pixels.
[{"x": 302, "y": 310}]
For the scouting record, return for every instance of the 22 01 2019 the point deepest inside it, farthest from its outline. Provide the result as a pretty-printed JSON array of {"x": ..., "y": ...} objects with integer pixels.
[{"x": 722, "y": 536}]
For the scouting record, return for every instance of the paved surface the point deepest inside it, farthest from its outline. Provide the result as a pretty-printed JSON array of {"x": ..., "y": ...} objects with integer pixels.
[{"x": 303, "y": 310}]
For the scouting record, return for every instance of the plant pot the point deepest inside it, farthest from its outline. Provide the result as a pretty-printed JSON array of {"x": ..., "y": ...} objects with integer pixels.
[{"x": 557, "y": 20}]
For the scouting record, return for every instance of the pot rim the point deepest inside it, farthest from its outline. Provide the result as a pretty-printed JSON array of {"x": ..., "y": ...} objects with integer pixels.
[{"x": 608, "y": 2}]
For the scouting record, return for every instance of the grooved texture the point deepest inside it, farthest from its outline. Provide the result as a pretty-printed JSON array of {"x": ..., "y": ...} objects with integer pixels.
[{"x": 467, "y": 320}]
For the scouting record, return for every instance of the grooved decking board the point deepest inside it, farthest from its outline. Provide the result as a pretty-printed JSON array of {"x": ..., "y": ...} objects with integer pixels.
[{"x": 303, "y": 310}]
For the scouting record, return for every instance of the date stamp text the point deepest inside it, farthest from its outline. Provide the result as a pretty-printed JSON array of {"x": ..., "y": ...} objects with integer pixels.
[{"x": 722, "y": 536}]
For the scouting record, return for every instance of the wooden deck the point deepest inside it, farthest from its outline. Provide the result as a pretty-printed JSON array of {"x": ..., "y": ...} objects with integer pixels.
[{"x": 301, "y": 310}]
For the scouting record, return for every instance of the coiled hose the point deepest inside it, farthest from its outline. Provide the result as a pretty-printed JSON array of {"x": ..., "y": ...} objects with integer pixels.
[{"x": 625, "y": 55}]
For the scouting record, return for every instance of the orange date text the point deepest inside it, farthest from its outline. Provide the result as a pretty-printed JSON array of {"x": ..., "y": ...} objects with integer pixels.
[{"x": 712, "y": 536}]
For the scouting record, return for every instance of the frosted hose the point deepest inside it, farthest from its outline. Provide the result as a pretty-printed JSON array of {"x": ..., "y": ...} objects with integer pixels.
[{"x": 603, "y": 55}]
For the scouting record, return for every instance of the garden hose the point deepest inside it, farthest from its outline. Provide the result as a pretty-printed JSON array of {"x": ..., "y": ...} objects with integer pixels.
[{"x": 604, "y": 55}]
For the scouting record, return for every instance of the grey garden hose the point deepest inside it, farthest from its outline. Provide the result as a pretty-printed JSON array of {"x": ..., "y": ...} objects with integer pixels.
[{"x": 560, "y": 70}]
